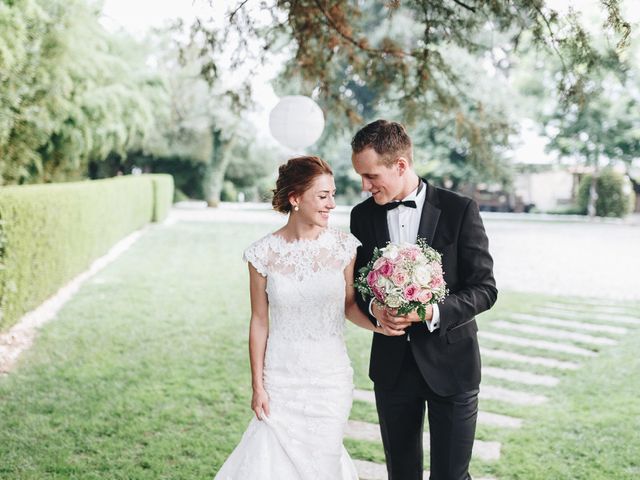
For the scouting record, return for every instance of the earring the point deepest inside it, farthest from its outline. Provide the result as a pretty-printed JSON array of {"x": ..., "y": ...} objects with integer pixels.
[{"x": 296, "y": 208}]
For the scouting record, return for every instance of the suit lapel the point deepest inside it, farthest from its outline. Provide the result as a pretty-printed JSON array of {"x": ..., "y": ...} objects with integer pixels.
[
  {"x": 430, "y": 214},
  {"x": 380, "y": 226}
]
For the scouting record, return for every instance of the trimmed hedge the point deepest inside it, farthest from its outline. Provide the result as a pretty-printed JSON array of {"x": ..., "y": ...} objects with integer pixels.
[
  {"x": 50, "y": 233},
  {"x": 162, "y": 195}
]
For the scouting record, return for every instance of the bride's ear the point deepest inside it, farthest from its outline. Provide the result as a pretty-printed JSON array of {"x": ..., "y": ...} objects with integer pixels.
[{"x": 293, "y": 201}]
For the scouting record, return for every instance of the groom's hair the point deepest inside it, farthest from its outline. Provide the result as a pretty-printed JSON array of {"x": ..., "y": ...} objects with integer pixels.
[{"x": 388, "y": 139}]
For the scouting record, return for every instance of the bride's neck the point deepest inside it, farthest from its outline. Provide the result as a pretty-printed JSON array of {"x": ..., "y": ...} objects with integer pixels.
[{"x": 297, "y": 230}]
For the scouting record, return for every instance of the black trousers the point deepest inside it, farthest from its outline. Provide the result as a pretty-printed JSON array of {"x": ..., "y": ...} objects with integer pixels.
[{"x": 452, "y": 427}]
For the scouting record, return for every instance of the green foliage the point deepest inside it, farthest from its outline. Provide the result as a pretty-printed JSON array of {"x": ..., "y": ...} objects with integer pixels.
[
  {"x": 189, "y": 174},
  {"x": 69, "y": 92},
  {"x": 50, "y": 233},
  {"x": 229, "y": 192},
  {"x": 162, "y": 196},
  {"x": 613, "y": 200}
]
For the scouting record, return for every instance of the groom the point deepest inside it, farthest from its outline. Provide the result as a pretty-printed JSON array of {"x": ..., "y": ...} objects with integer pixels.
[{"x": 437, "y": 361}]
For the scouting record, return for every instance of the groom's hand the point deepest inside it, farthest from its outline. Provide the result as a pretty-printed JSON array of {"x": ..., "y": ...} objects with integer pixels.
[
  {"x": 413, "y": 316},
  {"x": 403, "y": 321},
  {"x": 387, "y": 319}
]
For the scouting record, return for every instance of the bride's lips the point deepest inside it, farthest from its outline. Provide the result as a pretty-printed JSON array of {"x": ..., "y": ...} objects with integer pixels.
[{"x": 324, "y": 214}]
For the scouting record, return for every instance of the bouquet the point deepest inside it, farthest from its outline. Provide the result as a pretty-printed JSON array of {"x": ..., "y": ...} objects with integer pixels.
[{"x": 405, "y": 277}]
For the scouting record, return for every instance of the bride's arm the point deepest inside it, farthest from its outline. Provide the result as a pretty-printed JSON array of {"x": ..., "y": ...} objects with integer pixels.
[
  {"x": 352, "y": 310},
  {"x": 258, "y": 332}
]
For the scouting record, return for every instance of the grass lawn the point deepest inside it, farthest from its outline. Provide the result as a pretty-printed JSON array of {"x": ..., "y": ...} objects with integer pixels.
[{"x": 145, "y": 375}]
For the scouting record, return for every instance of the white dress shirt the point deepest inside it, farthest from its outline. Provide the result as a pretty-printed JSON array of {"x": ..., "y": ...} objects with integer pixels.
[{"x": 403, "y": 225}]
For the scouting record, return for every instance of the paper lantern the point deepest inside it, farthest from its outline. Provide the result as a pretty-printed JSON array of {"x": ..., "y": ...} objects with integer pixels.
[{"x": 296, "y": 122}]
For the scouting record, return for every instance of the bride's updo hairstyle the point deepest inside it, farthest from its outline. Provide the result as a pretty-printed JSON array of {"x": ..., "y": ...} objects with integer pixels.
[{"x": 295, "y": 177}]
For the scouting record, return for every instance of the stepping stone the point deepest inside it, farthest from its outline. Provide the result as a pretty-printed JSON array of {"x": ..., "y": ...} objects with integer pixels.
[
  {"x": 520, "y": 376},
  {"x": 364, "y": 396},
  {"x": 553, "y": 333},
  {"x": 373, "y": 471},
  {"x": 484, "y": 418},
  {"x": 498, "y": 420},
  {"x": 487, "y": 451},
  {"x": 528, "y": 359},
  {"x": 377, "y": 471},
  {"x": 541, "y": 344},
  {"x": 606, "y": 319},
  {"x": 558, "y": 322},
  {"x": 592, "y": 308},
  {"x": 489, "y": 392}
]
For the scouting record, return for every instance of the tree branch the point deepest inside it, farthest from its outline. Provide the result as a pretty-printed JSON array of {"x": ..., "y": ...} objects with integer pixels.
[
  {"x": 552, "y": 37},
  {"x": 464, "y": 5},
  {"x": 353, "y": 41},
  {"x": 238, "y": 8}
]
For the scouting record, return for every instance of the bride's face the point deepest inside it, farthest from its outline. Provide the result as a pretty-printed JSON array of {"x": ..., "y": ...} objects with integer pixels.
[{"x": 315, "y": 204}]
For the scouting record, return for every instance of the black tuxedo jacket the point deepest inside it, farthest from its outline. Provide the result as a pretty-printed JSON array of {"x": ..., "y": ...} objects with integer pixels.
[{"x": 448, "y": 358}]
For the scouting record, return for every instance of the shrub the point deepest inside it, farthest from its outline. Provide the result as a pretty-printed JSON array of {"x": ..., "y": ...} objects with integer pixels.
[{"x": 612, "y": 200}]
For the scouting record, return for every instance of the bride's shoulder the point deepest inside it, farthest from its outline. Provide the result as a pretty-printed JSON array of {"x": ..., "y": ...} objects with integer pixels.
[
  {"x": 258, "y": 254},
  {"x": 260, "y": 242}
]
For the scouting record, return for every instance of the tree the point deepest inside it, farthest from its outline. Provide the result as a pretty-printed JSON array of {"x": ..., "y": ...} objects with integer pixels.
[
  {"x": 604, "y": 127},
  {"x": 69, "y": 92},
  {"x": 207, "y": 121},
  {"x": 399, "y": 53}
]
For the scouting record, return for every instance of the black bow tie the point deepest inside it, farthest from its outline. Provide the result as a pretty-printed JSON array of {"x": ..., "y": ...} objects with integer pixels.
[{"x": 406, "y": 203}]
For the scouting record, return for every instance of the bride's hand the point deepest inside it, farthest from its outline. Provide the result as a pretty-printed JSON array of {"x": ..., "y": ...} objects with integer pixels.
[{"x": 260, "y": 403}]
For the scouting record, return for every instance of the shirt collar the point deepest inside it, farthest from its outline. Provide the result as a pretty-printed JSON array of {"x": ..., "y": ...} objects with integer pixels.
[{"x": 417, "y": 194}]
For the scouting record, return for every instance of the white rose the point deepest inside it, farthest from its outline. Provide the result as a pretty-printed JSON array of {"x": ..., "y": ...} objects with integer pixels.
[
  {"x": 391, "y": 251},
  {"x": 394, "y": 300},
  {"x": 385, "y": 283},
  {"x": 422, "y": 275}
]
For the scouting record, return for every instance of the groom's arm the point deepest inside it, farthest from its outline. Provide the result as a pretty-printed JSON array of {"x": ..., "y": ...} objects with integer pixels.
[
  {"x": 361, "y": 261},
  {"x": 477, "y": 290}
]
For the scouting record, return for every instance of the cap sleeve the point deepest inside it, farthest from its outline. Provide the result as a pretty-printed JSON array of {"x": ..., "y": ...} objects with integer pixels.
[
  {"x": 256, "y": 255},
  {"x": 349, "y": 245}
]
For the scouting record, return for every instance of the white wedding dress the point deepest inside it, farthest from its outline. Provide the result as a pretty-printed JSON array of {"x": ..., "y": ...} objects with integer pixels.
[{"x": 307, "y": 372}]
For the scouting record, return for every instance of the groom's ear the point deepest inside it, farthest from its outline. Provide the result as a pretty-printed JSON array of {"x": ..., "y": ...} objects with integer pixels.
[{"x": 402, "y": 164}]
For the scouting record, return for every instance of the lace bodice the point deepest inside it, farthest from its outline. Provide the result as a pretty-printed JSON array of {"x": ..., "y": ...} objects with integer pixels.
[{"x": 305, "y": 282}]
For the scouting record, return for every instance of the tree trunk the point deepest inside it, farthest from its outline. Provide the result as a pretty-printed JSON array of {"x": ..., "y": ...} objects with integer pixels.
[
  {"x": 221, "y": 155},
  {"x": 593, "y": 192}
]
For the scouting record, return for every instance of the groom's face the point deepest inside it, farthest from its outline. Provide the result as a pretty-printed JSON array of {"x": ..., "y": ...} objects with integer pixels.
[{"x": 384, "y": 183}]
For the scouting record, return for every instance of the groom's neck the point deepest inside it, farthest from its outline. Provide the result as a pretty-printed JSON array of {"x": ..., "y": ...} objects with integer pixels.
[{"x": 410, "y": 183}]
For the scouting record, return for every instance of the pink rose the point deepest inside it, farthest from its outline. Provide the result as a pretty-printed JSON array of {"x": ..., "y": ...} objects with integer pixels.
[
  {"x": 437, "y": 282},
  {"x": 399, "y": 278},
  {"x": 411, "y": 253},
  {"x": 436, "y": 268},
  {"x": 378, "y": 263},
  {"x": 424, "y": 296},
  {"x": 377, "y": 292},
  {"x": 386, "y": 269},
  {"x": 411, "y": 292},
  {"x": 372, "y": 277}
]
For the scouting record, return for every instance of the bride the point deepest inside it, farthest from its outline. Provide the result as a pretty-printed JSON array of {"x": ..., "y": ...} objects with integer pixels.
[{"x": 301, "y": 287}]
